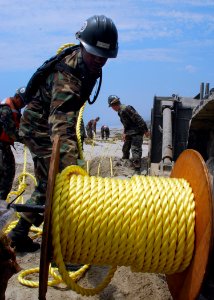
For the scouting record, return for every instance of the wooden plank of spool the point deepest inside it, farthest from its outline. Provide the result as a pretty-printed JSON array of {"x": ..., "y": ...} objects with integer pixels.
[
  {"x": 187, "y": 284},
  {"x": 46, "y": 248}
]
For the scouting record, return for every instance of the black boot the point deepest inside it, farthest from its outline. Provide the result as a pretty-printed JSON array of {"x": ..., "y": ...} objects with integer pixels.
[
  {"x": 20, "y": 239},
  {"x": 137, "y": 171}
]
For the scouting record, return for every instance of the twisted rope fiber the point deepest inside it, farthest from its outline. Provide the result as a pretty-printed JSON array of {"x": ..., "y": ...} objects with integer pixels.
[
  {"x": 143, "y": 222},
  {"x": 53, "y": 272}
]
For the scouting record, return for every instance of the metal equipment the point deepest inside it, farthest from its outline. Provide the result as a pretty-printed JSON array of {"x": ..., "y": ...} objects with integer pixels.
[{"x": 179, "y": 123}]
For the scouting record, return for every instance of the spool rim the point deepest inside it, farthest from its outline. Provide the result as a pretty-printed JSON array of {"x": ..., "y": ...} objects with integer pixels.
[{"x": 191, "y": 167}]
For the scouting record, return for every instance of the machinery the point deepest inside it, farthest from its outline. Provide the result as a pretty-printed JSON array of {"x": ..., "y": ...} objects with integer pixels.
[{"x": 179, "y": 123}]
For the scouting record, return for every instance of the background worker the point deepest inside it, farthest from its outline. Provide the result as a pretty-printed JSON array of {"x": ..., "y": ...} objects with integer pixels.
[
  {"x": 82, "y": 132},
  {"x": 91, "y": 127},
  {"x": 105, "y": 132},
  {"x": 134, "y": 129},
  {"x": 10, "y": 114},
  {"x": 53, "y": 110}
]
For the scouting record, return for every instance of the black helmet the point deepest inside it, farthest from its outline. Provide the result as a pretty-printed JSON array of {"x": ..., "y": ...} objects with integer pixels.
[
  {"x": 113, "y": 99},
  {"x": 21, "y": 93},
  {"x": 99, "y": 36}
]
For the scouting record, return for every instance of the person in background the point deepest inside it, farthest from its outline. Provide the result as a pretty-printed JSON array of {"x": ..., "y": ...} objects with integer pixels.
[
  {"x": 53, "y": 110},
  {"x": 91, "y": 127},
  {"x": 134, "y": 129},
  {"x": 10, "y": 114},
  {"x": 82, "y": 132},
  {"x": 105, "y": 132}
]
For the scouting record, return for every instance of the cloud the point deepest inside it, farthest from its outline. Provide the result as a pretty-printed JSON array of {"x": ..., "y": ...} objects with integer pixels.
[
  {"x": 31, "y": 32},
  {"x": 190, "y": 69}
]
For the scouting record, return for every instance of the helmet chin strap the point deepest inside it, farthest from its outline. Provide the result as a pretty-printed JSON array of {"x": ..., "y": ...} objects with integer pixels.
[{"x": 97, "y": 91}]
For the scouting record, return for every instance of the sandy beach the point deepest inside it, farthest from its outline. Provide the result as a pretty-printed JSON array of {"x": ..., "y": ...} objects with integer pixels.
[{"x": 100, "y": 155}]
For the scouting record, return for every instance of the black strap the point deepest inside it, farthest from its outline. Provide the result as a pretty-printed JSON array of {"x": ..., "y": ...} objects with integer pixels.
[
  {"x": 63, "y": 67},
  {"x": 97, "y": 92}
]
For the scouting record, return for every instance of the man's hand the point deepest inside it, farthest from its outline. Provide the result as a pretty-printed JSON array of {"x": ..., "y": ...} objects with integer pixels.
[{"x": 124, "y": 137}]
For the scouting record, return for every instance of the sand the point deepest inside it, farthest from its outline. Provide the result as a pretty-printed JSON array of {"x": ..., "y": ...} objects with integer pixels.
[{"x": 125, "y": 284}]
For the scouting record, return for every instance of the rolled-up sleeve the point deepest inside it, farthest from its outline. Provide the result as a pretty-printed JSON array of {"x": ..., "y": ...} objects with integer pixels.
[{"x": 64, "y": 109}]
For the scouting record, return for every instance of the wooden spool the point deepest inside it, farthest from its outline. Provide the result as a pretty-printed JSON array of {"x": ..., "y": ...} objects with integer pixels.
[
  {"x": 191, "y": 166},
  {"x": 185, "y": 285}
]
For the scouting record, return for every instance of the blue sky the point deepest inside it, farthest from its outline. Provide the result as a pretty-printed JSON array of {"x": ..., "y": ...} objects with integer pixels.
[{"x": 165, "y": 47}]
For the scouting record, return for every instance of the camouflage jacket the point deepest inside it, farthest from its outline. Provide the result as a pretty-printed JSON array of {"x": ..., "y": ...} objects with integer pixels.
[
  {"x": 92, "y": 124},
  {"x": 133, "y": 123},
  {"x": 7, "y": 123},
  {"x": 55, "y": 107}
]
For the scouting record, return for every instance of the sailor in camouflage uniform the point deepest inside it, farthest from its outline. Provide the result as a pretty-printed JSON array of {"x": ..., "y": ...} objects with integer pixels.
[
  {"x": 91, "y": 127},
  {"x": 134, "y": 129},
  {"x": 105, "y": 132},
  {"x": 10, "y": 113},
  {"x": 54, "y": 108}
]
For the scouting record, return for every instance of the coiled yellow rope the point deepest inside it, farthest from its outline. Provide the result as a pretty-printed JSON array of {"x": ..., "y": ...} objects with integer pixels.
[
  {"x": 22, "y": 181},
  {"x": 143, "y": 222},
  {"x": 52, "y": 272}
]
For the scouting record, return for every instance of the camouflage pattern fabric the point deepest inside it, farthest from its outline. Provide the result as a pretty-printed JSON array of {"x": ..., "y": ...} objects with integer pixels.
[
  {"x": 7, "y": 161},
  {"x": 7, "y": 170},
  {"x": 133, "y": 123},
  {"x": 134, "y": 129},
  {"x": 90, "y": 128},
  {"x": 133, "y": 143},
  {"x": 89, "y": 132},
  {"x": 52, "y": 111}
]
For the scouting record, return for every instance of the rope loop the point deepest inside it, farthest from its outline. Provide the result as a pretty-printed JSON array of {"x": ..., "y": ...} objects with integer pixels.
[{"x": 146, "y": 223}]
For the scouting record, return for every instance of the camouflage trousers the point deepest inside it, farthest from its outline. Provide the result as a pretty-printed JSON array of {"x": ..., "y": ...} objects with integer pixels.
[
  {"x": 7, "y": 170},
  {"x": 89, "y": 132},
  {"x": 41, "y": 150},
  {"x": 134, "y": 144},
  {"x": 41, "y": 153}
]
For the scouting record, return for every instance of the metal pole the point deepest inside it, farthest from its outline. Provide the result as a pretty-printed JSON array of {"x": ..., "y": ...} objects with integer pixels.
[{"x": 167, "y": 135}]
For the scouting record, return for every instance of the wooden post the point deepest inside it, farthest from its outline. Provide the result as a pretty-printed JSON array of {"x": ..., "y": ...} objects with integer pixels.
[{"x": 46, "y": 248}]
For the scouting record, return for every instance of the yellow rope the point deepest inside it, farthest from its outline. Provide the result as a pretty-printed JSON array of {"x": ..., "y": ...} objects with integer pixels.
[
  {"x": 22, "y": 181},
  {"x": 52, "y": 272},
  {"x": 21, "y": 187},
  {"x": 143, "y": 222},
  {"x": 111, "y": 167},
  {"x": 78, "y": 131},
  {"x": 65, "y": 46}
]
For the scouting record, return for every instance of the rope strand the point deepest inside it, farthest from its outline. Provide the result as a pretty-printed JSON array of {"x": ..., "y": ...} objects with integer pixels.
[{"x": 146, "y": 223}]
